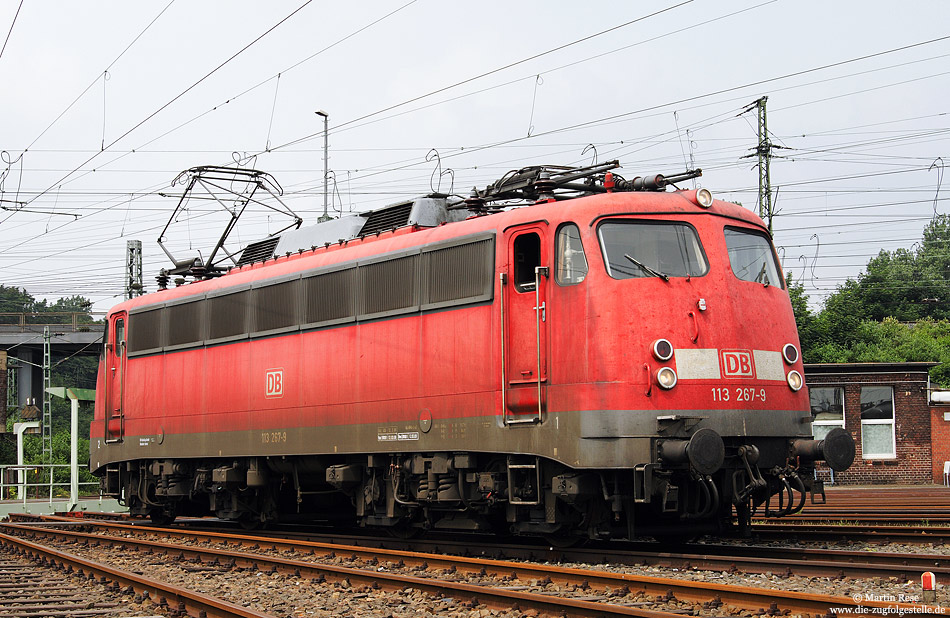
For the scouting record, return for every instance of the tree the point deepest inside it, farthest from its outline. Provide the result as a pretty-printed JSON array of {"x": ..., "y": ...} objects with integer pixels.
[
  {"x": 803, "y": 315},
  {"x": 903, "y": 284},
  {"x": 891, "y": 341},
  {"x": 897, "y": 309},
  {"x": 14, "y": 300}
]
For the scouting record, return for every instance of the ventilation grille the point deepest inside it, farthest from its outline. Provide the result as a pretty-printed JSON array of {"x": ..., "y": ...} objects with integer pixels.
[
  {"x": 184, "y": 323},
  {"x": 330, "y": 297},
  {"x": 275, "y": 306},
  {"x": 228, "y": 315},
  {"x": 258, "y": 251},
  {"x": 388, "y": 288},
  {"x": 145, "y": 332},
  {"x": 387, "y": 219},
  {"x": 429, "y": 278},
  {"x": 457, "y": 273}
]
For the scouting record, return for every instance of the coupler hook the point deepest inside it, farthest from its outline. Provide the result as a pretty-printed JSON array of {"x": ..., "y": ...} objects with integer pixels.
[{"x": 749, "y": 455}]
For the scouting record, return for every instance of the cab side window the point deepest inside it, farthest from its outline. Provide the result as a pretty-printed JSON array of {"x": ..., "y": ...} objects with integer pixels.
[
  {"x": 106, "y": 339},
  {"x": 752, "y": 257},
  {"x": 527, "y": 255},
  {"x": 120, "y": 337},
  {"x": 571, "y": 266}
]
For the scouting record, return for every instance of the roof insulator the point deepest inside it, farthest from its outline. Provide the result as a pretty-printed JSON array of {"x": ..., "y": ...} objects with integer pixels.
[
  {"x": 544, "y": 187},
  {"x": 474, "y": 201}
]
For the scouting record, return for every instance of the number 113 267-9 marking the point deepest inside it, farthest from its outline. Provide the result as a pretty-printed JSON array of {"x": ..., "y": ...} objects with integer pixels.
[{"x": 740, "y": 394}]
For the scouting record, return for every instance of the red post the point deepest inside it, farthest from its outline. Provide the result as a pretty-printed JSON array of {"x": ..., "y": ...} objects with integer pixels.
[{"x": 928, "y": 583}]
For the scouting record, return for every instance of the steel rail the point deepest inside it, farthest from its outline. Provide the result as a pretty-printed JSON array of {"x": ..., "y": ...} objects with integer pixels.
[
  {"x": 744, "y": 558},
  {"x": 27, "y": 590},
  {"x": 493, "y": 597},
  {"x": 181, "y": 597},
  {"x": 880, "y": 509},
  {"x": 871, "y": 534},
  {"x": 698, "y": 592},
  {"x": 845, "y": 517}
]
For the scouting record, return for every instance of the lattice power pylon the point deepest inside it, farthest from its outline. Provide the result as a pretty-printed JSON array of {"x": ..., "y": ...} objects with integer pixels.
[
  {"x": 763, "y": 152},
  {"x": 47, "y": 399},
  {"x": 133, "y": 269}
]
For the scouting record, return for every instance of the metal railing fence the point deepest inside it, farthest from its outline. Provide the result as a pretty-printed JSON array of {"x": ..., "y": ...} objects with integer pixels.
[
  {"x": 66, "y": 321},
  {"x": 32, "y": 482}
]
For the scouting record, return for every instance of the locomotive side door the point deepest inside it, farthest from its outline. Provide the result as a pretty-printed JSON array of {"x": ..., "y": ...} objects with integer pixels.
[
  {"x": 525, "y": 325},
  {"x": 115, "y": 378}
]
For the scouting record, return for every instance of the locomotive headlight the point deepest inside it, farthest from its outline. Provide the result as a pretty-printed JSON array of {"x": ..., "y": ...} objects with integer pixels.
[
  {"x": 790, "y": 352},
  {"x": 795, "y": 380},
  {"x": 666, "y": 378},
  {"x": 662, "y": 349},
  {"x": 704, "y": 197}
]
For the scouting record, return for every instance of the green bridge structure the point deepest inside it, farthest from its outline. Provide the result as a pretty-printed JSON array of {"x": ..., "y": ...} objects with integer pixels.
[
  {"x": 22, "y": 339},
  {"x": 29, "y": 342}
]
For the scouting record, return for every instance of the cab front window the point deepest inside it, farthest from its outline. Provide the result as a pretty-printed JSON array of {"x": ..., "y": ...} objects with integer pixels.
[
  {"x": 636, "y": 249},
  {"x": 752, "y": 258}
]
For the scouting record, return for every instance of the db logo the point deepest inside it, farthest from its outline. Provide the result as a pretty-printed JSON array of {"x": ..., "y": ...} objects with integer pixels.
[
  {"x": 737, "y": 364},
  {"x": 275, "y": 383}
]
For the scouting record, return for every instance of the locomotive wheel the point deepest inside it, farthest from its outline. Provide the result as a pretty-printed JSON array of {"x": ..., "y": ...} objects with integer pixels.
[
  {"x": 564, "y": 540},
  {"x": 249, "y": 521},
  {"x": 404, "y": 531},
  {"x": 675, "y": 540},
  {"x": 160, "y": 517}
]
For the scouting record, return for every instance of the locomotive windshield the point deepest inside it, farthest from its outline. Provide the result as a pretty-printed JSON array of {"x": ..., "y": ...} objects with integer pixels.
[
  {"x": 635, "y": 249},
  {"x": 752, "y": 258}
]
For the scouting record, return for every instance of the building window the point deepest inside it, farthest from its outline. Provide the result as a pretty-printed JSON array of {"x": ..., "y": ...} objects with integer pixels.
[
  {"x": 827, "y": 409},
  {"x": 877, "y": 422}
]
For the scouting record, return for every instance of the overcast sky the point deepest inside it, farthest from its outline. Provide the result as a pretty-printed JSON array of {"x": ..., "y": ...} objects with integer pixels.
[{"x": 104, "y": 103}]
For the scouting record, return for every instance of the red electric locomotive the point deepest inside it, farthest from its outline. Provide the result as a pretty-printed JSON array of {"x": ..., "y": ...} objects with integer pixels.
[{"x": 564, "y": 353}]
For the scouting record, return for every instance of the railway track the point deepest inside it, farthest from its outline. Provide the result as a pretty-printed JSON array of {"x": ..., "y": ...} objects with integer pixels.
[
  {"x": 839, "y": 532},
  {"x": 822, "y": 562},
  {"x": 39, "y": 591},
  {"x": 26, "y": 588},
  {"x": 812, "y": 562},
  {"x": 878, "y": 505},
  {"x": 933, "y": 495},
  {"x": 498, "y": 584}
]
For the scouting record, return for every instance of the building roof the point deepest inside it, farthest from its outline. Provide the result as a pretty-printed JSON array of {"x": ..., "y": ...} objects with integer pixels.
[{"x": 866, "y": 368}]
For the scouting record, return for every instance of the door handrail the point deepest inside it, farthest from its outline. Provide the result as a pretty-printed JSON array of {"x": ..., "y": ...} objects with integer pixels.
[
  {"x": 539, "y": 316},
  {"x": 502, "y": 278}
]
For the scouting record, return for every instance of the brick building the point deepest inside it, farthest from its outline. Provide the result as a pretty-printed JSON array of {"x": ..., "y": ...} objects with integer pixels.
[
  {"x": 886, "y": 409},
  {"x": 940, "y": 435}
]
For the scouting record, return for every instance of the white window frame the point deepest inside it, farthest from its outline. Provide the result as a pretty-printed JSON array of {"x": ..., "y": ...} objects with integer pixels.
[
  {"x": 836, "y": 423},
  {"x": 881, "y": 421}
]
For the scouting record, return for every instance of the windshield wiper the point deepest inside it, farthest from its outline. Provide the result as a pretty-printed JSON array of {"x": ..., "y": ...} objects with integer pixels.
[
  {"x": 647, "y": 269},
  {"x": 763, "y": 276}
]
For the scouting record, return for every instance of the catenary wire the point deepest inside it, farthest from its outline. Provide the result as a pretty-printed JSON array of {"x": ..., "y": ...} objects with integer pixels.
[
  {"x": 179, "y": 95},
  {"x": 10, "y": 31}
]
